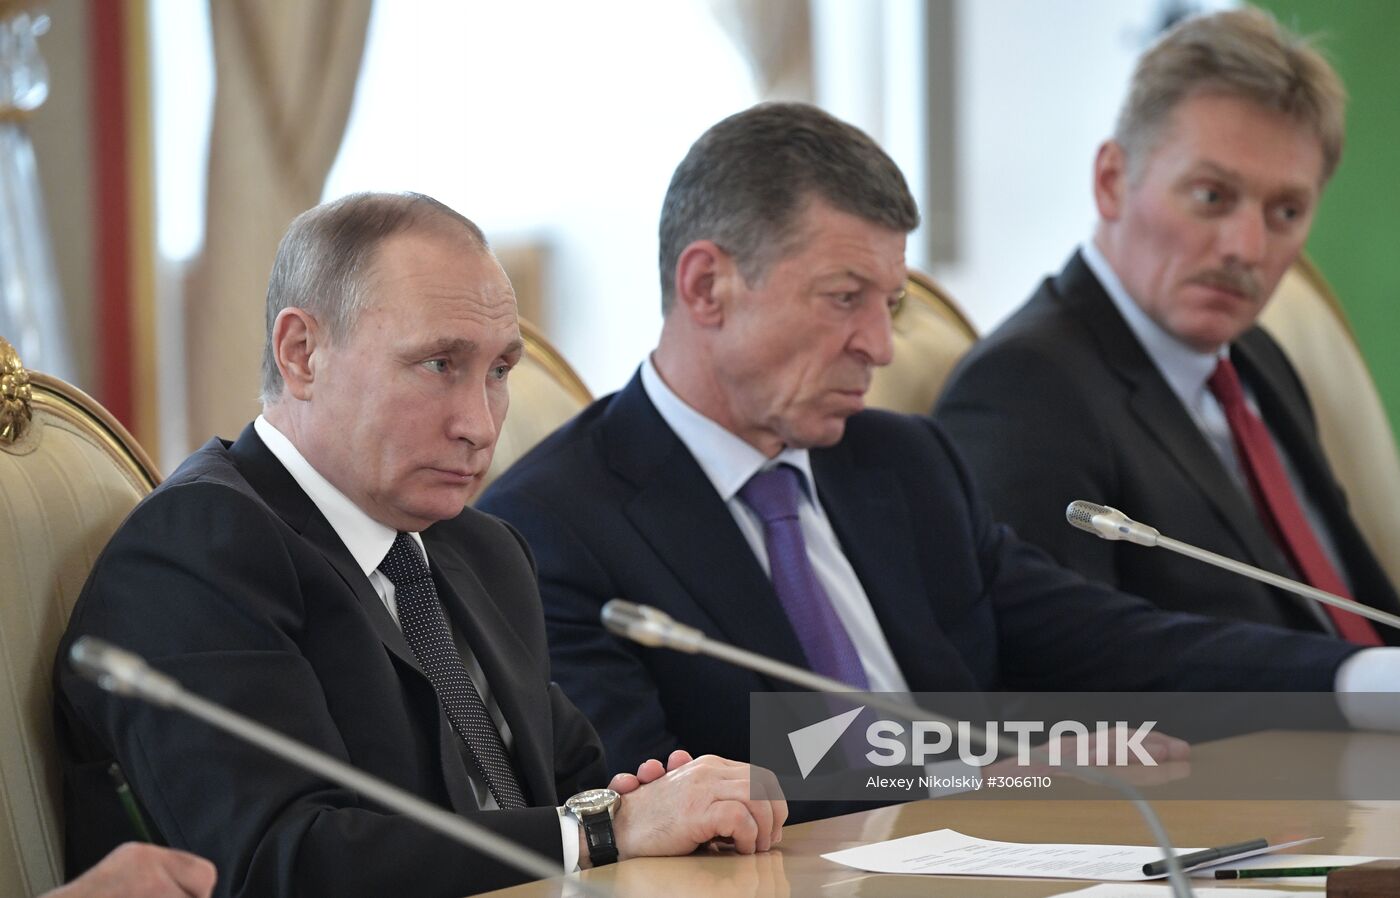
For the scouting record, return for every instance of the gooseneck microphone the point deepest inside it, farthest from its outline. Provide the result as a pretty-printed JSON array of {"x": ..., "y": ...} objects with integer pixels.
[
  {"x": 126, "y": 674},
  {"x": 1110, "y": 523},
  {"x": 655, "y": 628}
]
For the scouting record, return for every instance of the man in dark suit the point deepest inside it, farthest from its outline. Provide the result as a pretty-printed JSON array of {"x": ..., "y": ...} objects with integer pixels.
[
  {"x": 737, "y": 484},
  {"x": 322, "y": 574},
  {"x": 1118, "y": 381}
]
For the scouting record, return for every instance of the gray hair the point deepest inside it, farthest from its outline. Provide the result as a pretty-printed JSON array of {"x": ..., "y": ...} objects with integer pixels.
[
  {"x": 745, "y": 182},
  {"x": 1241, "y": 53},
  {"x": 325, "y": 259}
]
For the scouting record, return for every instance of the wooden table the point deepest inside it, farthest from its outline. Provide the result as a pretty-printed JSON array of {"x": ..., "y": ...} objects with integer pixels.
[{"x": 795, "y": 867}]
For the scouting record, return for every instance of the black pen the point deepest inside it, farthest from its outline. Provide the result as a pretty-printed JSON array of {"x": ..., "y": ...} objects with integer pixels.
[
  {"x": 1259, "y": 872},
  {"x": 1205, "y": 856}
]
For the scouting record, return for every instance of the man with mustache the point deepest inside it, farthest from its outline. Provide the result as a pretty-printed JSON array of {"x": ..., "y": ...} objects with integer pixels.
[
  {"x": 1137, "y": 377},
  {"x": 738, "y": 484}
]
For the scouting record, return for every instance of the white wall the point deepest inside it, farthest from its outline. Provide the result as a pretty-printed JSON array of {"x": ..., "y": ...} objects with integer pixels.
[
  {"x": 560, "y": 123},
  {"x": 1039, "y": 87},
  {"x": 552, "y": 122}
]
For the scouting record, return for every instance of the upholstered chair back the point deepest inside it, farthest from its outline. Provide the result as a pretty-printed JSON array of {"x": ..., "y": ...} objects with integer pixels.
[
  {"x": 69, "y": 473},
  {"x": 931, "y": 333},
  {"x": 544, "y": 393},
  {"x": 1307, "y": 321}
]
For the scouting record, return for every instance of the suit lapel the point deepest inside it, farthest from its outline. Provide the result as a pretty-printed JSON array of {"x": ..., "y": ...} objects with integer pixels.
[
  {"x": 266, "y": 474},
  {"x": 1162, "y": 416},
  {"x": 1286, "y": 419},
  {"x": 677, "y": 511},
  {"x": 1290, "y": 422},
  {"x": 497, "y": 648},
  {"x": 867, "y": 510},
  {"x": 280, "y": 490}
]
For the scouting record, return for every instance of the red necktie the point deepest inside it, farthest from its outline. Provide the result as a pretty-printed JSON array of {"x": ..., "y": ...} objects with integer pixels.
[{"x": 1274, "y": 496}]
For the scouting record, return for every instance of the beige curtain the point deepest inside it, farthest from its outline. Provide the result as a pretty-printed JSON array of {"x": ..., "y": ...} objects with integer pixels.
[
  {"x": 776, "y": 38},
  {"x": 285, "y": 78}
]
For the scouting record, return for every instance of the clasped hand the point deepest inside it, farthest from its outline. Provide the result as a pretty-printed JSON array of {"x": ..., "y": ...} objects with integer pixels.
[{"x": 689, "y": 802}]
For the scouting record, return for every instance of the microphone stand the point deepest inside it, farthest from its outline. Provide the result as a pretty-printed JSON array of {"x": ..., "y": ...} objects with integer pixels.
[
  {"x": 1111, "y": 524},
  {"x": 654, "y": 628},
  {"x": 127, "y": 674},
  {"x": 1302, "y": 589}
]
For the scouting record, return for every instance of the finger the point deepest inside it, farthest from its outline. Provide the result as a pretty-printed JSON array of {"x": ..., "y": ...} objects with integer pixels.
[
  {"x": 679, "y": 758},
  {"x": 764, "y": 786},
  {"x": 1172, "y": 748},
  {"x": 623, "y": 783},
  {"x": 761, "y": 810},
  {"x": 195, "y": 875},
  {"x": 733, "y": 820},
  {"x": 780, "y": 816},
  {"x": 754, "y": 787},
  {"x": 1163, "y": 748},
  {"x": 650, "y": 770}
]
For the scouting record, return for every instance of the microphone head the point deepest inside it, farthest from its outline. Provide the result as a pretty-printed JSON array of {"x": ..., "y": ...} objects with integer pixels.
[
  {"x": 1109, "y": 523},
  {"x": 621, "y": 618},
  {"x": 120, "y": 672},
  {"x": 1081, "y": 514},
  {"x": 650, "y": 627}
]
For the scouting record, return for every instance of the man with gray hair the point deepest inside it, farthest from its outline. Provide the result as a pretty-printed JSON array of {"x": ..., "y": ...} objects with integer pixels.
[
  {"x": 738, "y": 484},
  {"x": 323, "y": 575},
  {"x": 1137, "y": 377}
]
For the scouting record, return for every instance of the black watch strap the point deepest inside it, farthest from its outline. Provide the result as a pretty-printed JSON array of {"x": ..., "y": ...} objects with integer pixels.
[{"x": 598, "y": 831}]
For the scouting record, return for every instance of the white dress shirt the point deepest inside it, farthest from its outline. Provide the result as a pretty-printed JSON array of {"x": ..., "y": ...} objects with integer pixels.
[
  {"x": 1186, "y": 371},
  {"x": 729, "y": 462},
  {"x": 368, "y": 541}
]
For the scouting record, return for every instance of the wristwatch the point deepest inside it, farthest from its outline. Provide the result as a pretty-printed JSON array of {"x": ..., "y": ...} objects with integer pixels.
[{"x": 594, "y": 810}]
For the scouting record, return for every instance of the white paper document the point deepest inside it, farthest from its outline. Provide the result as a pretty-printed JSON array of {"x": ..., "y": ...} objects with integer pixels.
[
  {"x": 946, "y": 852},
  {"x": 1122, "y": 890}
]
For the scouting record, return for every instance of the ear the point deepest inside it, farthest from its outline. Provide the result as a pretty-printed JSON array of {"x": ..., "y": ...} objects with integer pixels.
[
  {"x": 295, "y": 339},
  {"x": 705, "y": 278},
  {"x": 1110, "y": 179}
]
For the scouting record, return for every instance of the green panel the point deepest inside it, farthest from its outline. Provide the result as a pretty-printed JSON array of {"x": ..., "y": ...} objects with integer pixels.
[{"x": 1356, "y": 237}]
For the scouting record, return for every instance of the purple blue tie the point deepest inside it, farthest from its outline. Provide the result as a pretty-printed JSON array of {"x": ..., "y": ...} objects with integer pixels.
[{"x": 773, "y": 495}]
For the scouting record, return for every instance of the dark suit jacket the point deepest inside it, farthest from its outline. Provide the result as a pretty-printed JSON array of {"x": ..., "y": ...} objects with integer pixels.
[
  {"x": 615, "y": 506},
  {"x": 230, "y": 580},
  {"x": 1062, "y": 403}
]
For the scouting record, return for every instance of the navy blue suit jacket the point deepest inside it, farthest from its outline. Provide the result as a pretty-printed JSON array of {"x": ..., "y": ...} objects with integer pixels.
[
  {"x": 615, "y": 506},
  {"x": 228, "y": 578}
]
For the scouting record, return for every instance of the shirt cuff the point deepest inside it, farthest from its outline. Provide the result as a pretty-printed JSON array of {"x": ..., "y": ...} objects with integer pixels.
[
  {"x": 1369, "y": 671},
  {"x": 568, "y": 831}
]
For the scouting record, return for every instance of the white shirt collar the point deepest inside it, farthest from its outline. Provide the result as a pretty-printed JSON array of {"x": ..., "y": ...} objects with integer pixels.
[
  {"x": 1185, "y": 369},
  {"x": 367, "y": 539},
  {"x": 726, "y": 459}
]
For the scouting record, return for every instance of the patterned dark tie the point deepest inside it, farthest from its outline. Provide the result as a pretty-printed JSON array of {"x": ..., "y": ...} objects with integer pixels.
[
  {"x": 1278, "y": 505},
  {"x": 424, "y": 624},
  {"x": 773, "y": 495}
]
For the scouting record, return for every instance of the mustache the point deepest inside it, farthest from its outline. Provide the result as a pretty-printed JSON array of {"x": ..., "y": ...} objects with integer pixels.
[{"x": 1236, "y": 280}]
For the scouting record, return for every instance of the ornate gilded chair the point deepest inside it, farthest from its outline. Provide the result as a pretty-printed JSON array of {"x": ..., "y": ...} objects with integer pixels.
[
  {"x": 931, "y": 332},
  {"x": 69, "y": 473},
  {"x": 544, "y": 393},
  {"x": 1307, "y": 321}
]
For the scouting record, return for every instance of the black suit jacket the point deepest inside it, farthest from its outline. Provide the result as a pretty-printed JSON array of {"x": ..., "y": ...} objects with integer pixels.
[
  {"x": 615, "y": 506},
  {"x": 230, "y": 580},
  {"x": 1061, "y": 403}
]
